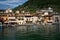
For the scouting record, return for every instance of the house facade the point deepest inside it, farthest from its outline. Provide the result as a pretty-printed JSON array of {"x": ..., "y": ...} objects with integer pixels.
[{"x": 26, "y": 18}]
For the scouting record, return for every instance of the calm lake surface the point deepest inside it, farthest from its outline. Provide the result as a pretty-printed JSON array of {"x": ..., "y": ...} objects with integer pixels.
[{"x": 34, "y": 32}]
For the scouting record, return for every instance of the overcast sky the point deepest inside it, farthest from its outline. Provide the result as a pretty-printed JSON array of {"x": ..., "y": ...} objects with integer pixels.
[{"x": 10, "y": 3}]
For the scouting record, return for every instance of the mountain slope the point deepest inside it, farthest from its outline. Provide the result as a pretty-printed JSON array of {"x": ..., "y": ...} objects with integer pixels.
[{"x": 33, "y": 5}]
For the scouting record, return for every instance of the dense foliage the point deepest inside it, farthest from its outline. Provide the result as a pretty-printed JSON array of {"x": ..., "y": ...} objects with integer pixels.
[{"x": 33, "y": 5}]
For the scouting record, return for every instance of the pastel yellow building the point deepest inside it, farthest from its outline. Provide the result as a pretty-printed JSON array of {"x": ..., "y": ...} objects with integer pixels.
[{"x": 4, "y": 15}]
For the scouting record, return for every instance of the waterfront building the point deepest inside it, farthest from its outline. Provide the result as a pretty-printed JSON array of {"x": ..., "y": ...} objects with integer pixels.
[
  {"x": 26, "y": 18},
  {"x": 31, "y": 18},
  {"x": 56, "y": 22},
  {"x": 2, "y": 11},
  {"x": 6, "y": 13},
  {"x": 46, "y": 15},
  {"x": 8, "y": 10},
  {"x": 17, "y": 11},
  {"x": 20, "y": 18},
  {"x": 41, "y": 16},
  {"x": 56, "y": 17},
  {"x": 4, "y": 16},
  {"x": 12, "y": 19}
]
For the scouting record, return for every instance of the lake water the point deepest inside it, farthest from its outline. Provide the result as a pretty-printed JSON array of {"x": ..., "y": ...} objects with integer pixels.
[{"x": 34, "y": 32}]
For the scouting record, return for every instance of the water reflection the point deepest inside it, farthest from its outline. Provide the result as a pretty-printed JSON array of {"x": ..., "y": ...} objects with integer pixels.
[{"x": 35, "y": 32}]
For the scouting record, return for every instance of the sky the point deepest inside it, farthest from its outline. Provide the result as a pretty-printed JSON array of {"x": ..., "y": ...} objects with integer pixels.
[{"x": 11, "y": 3}]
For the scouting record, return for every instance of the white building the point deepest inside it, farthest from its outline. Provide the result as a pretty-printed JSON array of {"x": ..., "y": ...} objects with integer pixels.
[
  {"x": 17, "y": 11},
  {"x": 26, "y": 18},
  {"x": 8, "y": 10},
  {"x": 56, "y": 17}
]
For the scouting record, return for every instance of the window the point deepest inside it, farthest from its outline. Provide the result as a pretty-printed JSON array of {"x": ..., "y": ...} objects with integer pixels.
[
  {"x": 56, "y": 19},
  {"x": 20, "y": 18},
  {"x": 49, "y": 18},
  {"x": 12, "y": 19}
]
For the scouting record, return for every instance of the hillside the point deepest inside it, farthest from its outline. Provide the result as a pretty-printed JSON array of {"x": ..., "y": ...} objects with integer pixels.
[{"x": 33, "y": 5}]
